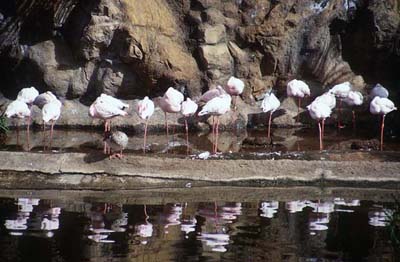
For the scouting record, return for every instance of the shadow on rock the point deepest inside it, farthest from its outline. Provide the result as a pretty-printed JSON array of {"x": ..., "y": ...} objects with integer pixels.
[{"x": 94, "y": 157}]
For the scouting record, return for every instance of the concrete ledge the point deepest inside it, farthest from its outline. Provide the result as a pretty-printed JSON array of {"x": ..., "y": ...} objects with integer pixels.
[{"x": 95, "y": 171}]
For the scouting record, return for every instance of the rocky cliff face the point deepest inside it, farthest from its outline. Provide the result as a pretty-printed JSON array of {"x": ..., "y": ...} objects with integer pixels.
[{"x": 131, "y": 48}]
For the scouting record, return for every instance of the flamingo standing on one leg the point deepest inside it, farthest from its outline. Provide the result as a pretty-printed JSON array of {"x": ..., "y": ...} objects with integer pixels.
[
  {"x": 28, "y": 96},
  {"x": 18, "y": 110},
  {"x": 381, "y": 106},
  {"x": 170, "y": 103},
  {"x": 107, "y": 107},
  {"x": 117, "y": 141},
  {"x": 270, "y": 104},
  {"x": 341, "y": 91},
  {"x": 40, "y": 101},
  {"x": 51, "y": 113},
  {"x": 234, "y": 87},
  {"x": 189, "y": 108},
  {"x": 299, "y": 89},
  {"x": 354, "y": 98},
  {"x": 216, "y": 107},
  {"x": 145, "y": 109},
  {"x": 320, "y": 112},
  {"x": 328, "y": 99}
]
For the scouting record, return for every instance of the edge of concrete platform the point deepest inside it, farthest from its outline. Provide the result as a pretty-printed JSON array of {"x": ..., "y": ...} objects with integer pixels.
[{"x": 95, "y": 171}]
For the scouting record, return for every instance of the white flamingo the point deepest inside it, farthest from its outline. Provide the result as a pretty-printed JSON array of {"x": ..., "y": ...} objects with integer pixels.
[
  {"x": 216, "y": 107},
  {"x": 234, "y": 87},
  {"x": 341, "y": 91},
  {"x": 189, "y": 108},
  {"x": 299, "y": 89},
  {"x": 381, "y": 106},
  {"x": 19, "y": 110},
  {"x": 51, "y": 113},
  {"x": 270, "y": 104},
  {"x": 27, "y": 95},
  {"x": 170, "y": 103},
  {"x": 145, "y": 109},
  {"x": 319, "y": 111},
  {"x": 380, "y": 91},
  {"x": 354, "y": 98}
]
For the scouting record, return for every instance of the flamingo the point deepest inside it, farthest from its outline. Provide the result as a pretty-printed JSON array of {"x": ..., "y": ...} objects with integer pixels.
[
  {"x": 216, "y": 107},
  {"x": 319, "y": 111},
  {"x": 234, "y": 87},
  {"x": 27, "y": 95},
  {"x": 107, "y": 107},
  {"x": 170, "y": 103},
  {"x": 299, "y": 89},
  {"x": 189, "y": 107},
  {"x": 381, "y": 106},
  {"x": 51, "y": 113},
  {"x": 380, "y": 91},
  {"x": 145, "y": 109},
  {"x": 270, "y": 104},
  {"x": 20, "y": 110},
  {"x": 116, "y": 140},
  {"x": 341, "y": 91},
  {"x": 212, "y": 93},
  {"x": 354, "y": 98}
]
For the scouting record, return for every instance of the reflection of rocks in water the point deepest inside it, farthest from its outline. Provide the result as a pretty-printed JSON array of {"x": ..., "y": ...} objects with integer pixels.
[
  {"x": 356, "y": 144},
  {"x": 229, "y": 141}
]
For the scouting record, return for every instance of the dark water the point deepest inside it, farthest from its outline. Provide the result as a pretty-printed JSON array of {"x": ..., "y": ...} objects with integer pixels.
[{"x": 266, "y": 230}]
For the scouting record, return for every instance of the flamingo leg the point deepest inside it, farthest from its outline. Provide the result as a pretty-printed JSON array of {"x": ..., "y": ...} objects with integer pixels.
[
  {"x": 323, "y": 128},
  {"x": 354, "y": 119},
  {"x": 213, "y": 133},
  {"x": 145, "y": 135},
  {"x": 216, "y": 135},
  {"x": 382, "y": 127},
  {"x": 17, "y": 132},
  {"x": 320, "y": 136},
  {"x": 187, "y": 136},
  {"x": 44, "y": 136},
  {"x": 269, "y": 125},
  {"x": 298, "y": 109},
  {"x": 166, "y": 127},
  {"x": 51, "y": 133},
  {"x": 340, "y": 125},
  {"x": 27, "y": 132}
]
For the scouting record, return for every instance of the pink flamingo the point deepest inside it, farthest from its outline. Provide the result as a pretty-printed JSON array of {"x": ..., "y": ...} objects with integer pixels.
[
  {"x": 51, "y": 113},
  {"x": 354, "y": 98},
  {"x": 319, "y": 111},
  {"x": 145, "y": 109},
  {"x": 299, "y": 89},
  {"x": 216, "y": 107},
  {"x": 107, "y": 107},
  {"x": 170, "y": 103},
  {"x": 381, "y": 106},
  {"x": 234, "y": 87},
  {"x": 270, "y": 104},
  {"x": 19, "y": 110},
  {"x": 189, "y": 108},
  {"x": 341, "y": 91}
]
